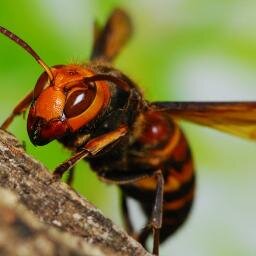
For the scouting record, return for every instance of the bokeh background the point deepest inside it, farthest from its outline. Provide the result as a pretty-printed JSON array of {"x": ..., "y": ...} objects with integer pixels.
[{"x": 181, "y": 50}]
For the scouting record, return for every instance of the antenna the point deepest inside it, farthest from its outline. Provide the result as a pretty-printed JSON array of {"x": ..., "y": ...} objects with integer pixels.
[{"x": 25, "y": 46}]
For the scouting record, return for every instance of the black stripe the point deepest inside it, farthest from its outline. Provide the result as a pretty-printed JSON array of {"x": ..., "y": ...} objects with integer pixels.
[
  {"x": 178, "y": 165},
  {"x": 178, "y": 217}
]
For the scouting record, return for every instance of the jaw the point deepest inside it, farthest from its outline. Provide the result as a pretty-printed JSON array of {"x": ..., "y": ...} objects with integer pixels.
[{"x": 41, "y": 132}]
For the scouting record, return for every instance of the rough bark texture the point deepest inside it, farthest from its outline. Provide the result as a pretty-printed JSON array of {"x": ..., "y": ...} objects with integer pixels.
[{"x": 43, "y": 217}]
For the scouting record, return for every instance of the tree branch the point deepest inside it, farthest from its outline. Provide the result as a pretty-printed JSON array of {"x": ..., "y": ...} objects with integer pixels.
[{"x": 69, "y": 223}]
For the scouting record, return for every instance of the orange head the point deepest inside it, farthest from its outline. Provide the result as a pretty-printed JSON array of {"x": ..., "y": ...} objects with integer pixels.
[{"x": 65, "y": 103}]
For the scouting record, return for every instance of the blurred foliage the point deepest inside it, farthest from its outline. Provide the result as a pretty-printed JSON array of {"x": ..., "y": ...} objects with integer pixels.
[{"x": 181, "y": 50}]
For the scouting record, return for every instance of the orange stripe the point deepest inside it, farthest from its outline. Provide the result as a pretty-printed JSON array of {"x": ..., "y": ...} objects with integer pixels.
[
  {"x": 173, "y": 182},
  {"x": 147, "y": 183}
]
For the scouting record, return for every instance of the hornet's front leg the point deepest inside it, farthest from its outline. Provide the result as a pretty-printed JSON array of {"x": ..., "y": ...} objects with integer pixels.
[{"x": 91, "y": 148}]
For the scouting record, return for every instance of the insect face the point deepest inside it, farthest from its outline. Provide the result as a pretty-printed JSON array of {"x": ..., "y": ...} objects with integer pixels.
[{"x": 65, "y": 104}]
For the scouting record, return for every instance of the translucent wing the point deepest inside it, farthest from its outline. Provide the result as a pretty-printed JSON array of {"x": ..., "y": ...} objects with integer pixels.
[
  {"x": 113, "y": 36},
  {"x": 238, "y": 118}
]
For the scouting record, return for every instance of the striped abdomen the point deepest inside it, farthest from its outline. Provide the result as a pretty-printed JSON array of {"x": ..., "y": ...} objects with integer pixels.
[{"x": 162, "y": 146}]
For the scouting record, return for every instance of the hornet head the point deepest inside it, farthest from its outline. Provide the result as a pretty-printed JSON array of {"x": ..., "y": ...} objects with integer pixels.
[{"x": 65, "y": 103}]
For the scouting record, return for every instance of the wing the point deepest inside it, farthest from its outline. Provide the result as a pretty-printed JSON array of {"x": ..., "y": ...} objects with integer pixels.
[
  {"x": 113, "y": 36},
  {"x": 238, "y": 118}
]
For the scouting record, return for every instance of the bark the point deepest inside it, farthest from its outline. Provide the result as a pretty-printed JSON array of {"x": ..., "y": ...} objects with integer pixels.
[{"x": 44, "y": 217}]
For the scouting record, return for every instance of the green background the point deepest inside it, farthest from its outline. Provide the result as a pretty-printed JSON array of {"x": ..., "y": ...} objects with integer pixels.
[{"x": 181, "y": 50}]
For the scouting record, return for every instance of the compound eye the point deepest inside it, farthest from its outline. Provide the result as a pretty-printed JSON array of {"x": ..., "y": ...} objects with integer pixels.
[
  {"x": 78, "y": 101},
  {"x": 42, "y": 82}
]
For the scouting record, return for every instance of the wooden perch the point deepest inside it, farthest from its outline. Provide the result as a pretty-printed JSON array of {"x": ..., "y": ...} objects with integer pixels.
[{"x": 43, "y": 217}]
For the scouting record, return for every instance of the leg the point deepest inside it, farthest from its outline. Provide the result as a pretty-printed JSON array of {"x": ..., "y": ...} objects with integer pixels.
[
  {"x": 21, "y": 107},
  {"x": 126, "y": 216},
  {"x": 143, "y": 236},
  {"x": 62, "y": 168},
  {"x": 71, "y": 175},
  {"x": 157, "y": 213},
  {"x": 90, "y": 149}
]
